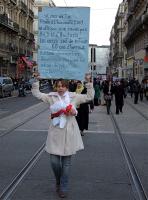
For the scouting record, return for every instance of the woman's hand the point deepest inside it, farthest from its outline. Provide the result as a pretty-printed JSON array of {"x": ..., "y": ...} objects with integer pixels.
[
  {"x": 72, "y": 112},
  {"x": 37, "y": 76}
]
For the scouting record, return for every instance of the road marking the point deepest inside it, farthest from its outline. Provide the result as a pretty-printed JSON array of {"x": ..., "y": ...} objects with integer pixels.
[
  {"x": 43, "y": 130},
  {"x": 88, "y": 131}
]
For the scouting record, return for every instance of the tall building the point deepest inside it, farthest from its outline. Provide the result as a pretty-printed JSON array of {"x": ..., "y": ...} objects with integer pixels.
[
  {"x": 16, "y": 37},
  {"x": 117, "y": 41},
  {"x": 37, "y": 6},
  {"x": 112, "y": 69},
  {"x": 98, "y": 60},
  {"x": 136, "y": 39}
]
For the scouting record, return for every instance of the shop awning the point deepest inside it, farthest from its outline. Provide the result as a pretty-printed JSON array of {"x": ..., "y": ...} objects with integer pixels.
[{"x": 28, "y": 62}]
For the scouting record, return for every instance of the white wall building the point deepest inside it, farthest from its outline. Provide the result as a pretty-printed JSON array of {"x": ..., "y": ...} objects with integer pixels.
[
  {"x": 98, "y": 59},
  {"x": 38, "y": 5}
]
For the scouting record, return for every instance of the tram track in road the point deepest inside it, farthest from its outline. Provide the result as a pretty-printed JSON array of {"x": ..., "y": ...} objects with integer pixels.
[
  {"x": 137, "y": 110},
  {"x": 138, "y": 190},
  {"x": 18, "y": 176},
  {"x": 10, "y": 189},
  {"x": 21, "y": 123}
]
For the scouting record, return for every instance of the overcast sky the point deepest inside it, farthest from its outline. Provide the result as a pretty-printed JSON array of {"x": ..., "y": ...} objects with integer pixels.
[{"x": 102, "y": 17}]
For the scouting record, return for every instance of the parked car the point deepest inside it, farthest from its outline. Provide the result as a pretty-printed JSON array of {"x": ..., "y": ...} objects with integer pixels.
[{"x": 6, "y": 86}]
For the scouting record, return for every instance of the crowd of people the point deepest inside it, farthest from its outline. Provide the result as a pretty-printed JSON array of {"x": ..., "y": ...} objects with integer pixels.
[
  {"x": 104, "y": 93},
  {"x": 139, "y": 90},
  {"x": 105, "y": 90}
]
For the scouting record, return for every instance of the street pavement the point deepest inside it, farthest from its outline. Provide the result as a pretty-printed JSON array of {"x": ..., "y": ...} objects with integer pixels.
[
  {"x": 97, "y": 172},
  {"x": 13, "y": 104}
]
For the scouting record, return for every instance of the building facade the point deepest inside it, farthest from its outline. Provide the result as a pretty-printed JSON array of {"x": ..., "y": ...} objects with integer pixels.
[
  {"x": 37, "y": 6},
  {"x": 136, "y": 39},
  {"x": 129, "y": 51},
  {"x": 117, "y": 48},
  {"x": 98, "y": 60},
  {"x": 16, "y": 37}
]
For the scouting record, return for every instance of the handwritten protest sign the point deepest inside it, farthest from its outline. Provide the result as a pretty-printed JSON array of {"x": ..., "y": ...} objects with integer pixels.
[{"x": 63, "y": 42}]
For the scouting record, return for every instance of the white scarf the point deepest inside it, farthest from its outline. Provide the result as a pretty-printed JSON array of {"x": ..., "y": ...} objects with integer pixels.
[{"x": 61, "y": 104}]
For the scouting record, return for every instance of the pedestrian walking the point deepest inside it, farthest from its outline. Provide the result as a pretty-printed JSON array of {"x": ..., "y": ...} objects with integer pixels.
[
  {"x": 146, "y": 89},
  {"x": 119, "y": 93},
  {"x": 131, "y": 83},
  {"x": 141, "y": 90},
  {"x": 97, "y": 100},
  {"x": 64, "y": 137},
  {"x": 83, "y": 110},
  {"x": 136, "y": 87},
  {"x": 107, "y": 90}
]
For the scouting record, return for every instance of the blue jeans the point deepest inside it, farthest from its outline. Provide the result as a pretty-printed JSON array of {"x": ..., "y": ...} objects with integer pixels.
[{"x": 61, "y": 168}]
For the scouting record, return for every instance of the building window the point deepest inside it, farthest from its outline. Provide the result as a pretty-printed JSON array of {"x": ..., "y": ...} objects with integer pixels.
[
  {"x": 141, "y": 70},
  {"x": 1, "y": 8},
  {"x": 136, "y": 71}
]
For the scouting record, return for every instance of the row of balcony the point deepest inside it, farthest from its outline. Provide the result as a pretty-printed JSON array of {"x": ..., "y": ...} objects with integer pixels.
[
  {"x": 134, "y": 29},
  {"x": 5, "y": 21},
  {"x": 9, "y": 47},
  {"x": 12, "y": 48},
  {"x": 23, "y": 7},
  {"x": 23, "y": 32},
  {"x": 133, "y": 4},
  {"x": 14, "y": 1}
]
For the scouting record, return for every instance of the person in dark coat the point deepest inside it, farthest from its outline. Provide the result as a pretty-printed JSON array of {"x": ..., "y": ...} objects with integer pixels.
[
  {"x": 83, "y": 110},
  {"x": 97, "y": 93},
  {"x": 119, "y": 96},
  {"x": 108, "y": 91},
  {"x": 72, "y": 86},
  {"x": 136, "y": 87}
]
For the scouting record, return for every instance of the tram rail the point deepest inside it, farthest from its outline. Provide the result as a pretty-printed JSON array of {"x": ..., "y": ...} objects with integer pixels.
[
  {"x": 9, "y": 190},
  {"x": 139, "y": 190},
  {"x": 21, "y": 123},
  {"x": 136, "y": 109}
]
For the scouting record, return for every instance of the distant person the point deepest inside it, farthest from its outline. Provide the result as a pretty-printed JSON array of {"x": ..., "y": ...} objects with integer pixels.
[
  {"x": 64, "y": 138},
  {"x": 136, "y": 88},
  {"x": 108, "y": 91},
  {"x": 146, "y": 89},
  {"x": 83, "y": 110},
  {"x": 141, "y": 90},
  {"x": 72, "y": 86},
  {"x": 97, "y": 100},
  {"x": 119, "y": 96},
  {"x": 131, "y": 85}
]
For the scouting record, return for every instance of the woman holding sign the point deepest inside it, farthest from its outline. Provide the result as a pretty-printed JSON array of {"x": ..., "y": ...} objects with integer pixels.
[{"x": 64, "y": 137}]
